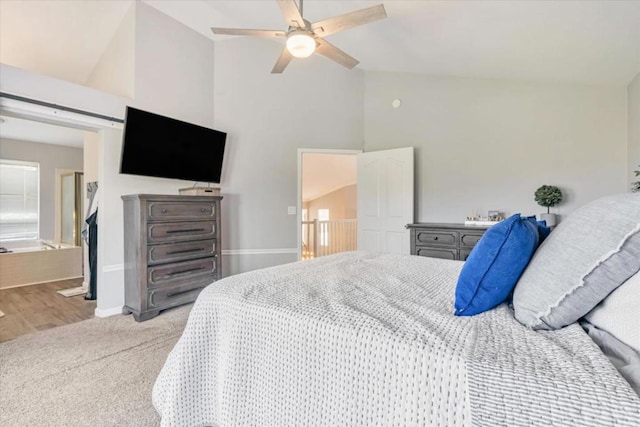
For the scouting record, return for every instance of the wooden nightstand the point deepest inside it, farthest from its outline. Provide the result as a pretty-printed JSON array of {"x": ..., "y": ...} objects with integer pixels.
[{"x": 444, "y": 240}]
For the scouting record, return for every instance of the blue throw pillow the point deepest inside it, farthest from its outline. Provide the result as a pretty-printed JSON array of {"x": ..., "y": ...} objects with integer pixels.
[
  {"x": 496, "y": 263},
  {"x": 543, "y": 230}
]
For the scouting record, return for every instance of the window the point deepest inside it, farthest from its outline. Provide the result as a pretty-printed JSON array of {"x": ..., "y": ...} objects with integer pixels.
[
  {"x": 323, "y": 215},
  {"x": 19, "y": 195}
]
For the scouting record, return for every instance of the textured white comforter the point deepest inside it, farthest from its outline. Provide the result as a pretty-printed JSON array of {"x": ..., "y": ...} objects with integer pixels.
[{"x": 362, "y": 339}]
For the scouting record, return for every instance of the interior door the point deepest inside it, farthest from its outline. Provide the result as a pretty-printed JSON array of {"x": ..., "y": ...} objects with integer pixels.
[{"x": 385, "y": 200}]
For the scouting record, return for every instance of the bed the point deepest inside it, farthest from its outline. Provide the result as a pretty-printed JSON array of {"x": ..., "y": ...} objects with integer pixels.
[{"x": 362, "y": 339}]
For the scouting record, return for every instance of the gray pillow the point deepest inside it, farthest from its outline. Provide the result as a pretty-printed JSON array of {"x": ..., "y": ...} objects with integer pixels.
[{"x": 591, "y": 253}]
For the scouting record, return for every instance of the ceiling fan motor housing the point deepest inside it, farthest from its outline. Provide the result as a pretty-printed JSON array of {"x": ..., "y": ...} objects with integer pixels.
[{"x": 301, "y": 43}]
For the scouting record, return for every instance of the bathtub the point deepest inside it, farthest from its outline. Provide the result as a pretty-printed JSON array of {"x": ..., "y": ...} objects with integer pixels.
[{"x": 35, "y": 261}]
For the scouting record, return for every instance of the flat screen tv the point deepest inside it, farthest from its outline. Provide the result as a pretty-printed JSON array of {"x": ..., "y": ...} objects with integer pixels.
[{"x": 154, "y": 145}]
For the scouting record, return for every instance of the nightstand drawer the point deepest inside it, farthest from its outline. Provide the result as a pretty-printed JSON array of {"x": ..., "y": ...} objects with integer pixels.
[
  {"x": 197, "y": 230},
  {"x": 439, "y": 238},
  {"x": 177, "y": 211},
  {"x": 464, "y": 253},
  {"x": 181, "y": 272},
  {"x": 437, "y": 253},
  {"x": 172, "y": 252},
  {"x": 470, "y": 239}
]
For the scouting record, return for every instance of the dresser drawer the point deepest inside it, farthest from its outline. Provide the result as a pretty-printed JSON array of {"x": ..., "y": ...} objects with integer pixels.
[
  {"x": 172, "y": 252},
  {"x": 158, "y": 211},
  {"x": 469, "y": 239},
  {"x": 171, "y": 297},
  {"x": 165, "y": 232},
  {"x": 181, "y": 272},
  {"x": 437, "y": 237},
  {"x": 437, "y": 253}
]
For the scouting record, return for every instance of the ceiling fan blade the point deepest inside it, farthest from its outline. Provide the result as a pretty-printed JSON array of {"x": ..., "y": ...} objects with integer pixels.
[
  {"x": 283, "y": 61},
  {"x": 291, "y": 13},
  {"x": 246, "y": 32},
  {"x": 348, "y": 20},
  {"x": 328, "y": 50}
]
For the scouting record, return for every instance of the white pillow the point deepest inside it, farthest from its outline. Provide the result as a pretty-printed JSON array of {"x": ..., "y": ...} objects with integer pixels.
[{"x": 619, "y": 313}]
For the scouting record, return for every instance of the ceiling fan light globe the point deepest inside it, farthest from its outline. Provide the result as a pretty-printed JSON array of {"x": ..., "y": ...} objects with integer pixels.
[{"x": 301, "y": 44}]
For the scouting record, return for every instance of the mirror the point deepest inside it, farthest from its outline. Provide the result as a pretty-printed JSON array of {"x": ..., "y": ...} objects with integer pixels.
[{"x": 71, "y": 208}]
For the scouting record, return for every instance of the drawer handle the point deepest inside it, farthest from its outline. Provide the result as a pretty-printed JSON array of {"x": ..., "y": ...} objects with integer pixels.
[
  {"x": 164, "y": 211},
  {"x": 188, "y": 230},
  {"x": 185, "y": 251},
  {"x": 435, "y": 238},
  {"x": 176, "y": 273},
  {"x": 202, "y": 210},
  {"x": 183, "y": 292}
]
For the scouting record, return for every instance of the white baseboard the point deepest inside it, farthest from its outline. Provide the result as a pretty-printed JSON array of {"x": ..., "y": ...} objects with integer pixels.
[
  {"x": 113, "y": 267},
  {"x": 106, "y": 312}
]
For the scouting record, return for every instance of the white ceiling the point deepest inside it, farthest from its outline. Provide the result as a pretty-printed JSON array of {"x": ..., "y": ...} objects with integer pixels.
[
  {"x": 593, "y": 42},
  {"x": 324, "y": 173},
  {"x": 27, "y": 130},
  {"x": 63, "y": 39}
]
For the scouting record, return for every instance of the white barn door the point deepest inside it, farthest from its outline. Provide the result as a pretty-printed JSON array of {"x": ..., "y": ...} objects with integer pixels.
[{"x": 385, "y": 200}]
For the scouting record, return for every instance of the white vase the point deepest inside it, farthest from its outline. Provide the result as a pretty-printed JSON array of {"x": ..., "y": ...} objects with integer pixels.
[{"x": 550, "y": 218}]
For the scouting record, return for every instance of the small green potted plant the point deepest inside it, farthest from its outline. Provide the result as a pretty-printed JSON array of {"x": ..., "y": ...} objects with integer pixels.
[
  {"x": 548, "y": 196},
  {"x": 635, "y": 186}
]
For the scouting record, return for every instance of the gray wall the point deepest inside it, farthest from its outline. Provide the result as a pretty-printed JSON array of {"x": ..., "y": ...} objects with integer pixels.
[
  {"x": 489, "y": 144},
  {"x": 173, "y": 68},
  {"x": 50, "y": 157},
  {"x": 633, "y": 127},
  {"x": 313, "y": 104}
]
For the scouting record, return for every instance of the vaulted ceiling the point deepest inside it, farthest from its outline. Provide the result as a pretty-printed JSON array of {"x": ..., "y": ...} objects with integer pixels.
[
  {"x": 593, "y": 42},
  {"x": 63, "y": 39}
]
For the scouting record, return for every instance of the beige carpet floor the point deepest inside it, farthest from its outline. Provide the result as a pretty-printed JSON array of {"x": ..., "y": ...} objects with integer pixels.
[{"x": 98, "y": 372}]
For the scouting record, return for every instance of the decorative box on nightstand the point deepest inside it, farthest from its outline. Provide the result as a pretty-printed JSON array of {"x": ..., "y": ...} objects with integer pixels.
[{"x": 200, "y": 191}]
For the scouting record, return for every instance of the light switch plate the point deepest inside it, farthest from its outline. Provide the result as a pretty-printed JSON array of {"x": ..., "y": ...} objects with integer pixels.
[{"x": 291, "y": 210}]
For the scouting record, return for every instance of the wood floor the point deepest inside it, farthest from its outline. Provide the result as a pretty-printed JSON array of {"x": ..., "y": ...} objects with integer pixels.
[{"x": 34, "y": 308}]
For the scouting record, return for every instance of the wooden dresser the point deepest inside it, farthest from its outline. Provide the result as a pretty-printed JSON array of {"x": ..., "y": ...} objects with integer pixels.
[
  {"x": 171, "y": 250},
  {"x": 444, "y": 240}
]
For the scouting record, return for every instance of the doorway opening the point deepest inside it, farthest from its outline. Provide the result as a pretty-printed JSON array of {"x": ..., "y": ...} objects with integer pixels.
[
  {"x": 327, "y": 202},
  {"x": 64, "y": 145}
]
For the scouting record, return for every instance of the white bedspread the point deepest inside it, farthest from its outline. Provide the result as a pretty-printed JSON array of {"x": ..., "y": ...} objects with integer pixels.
[{"x": 362, "y": 339}]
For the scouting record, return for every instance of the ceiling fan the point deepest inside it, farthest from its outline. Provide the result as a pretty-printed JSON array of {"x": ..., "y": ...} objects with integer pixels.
[{"x": 304, "y": 37}]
